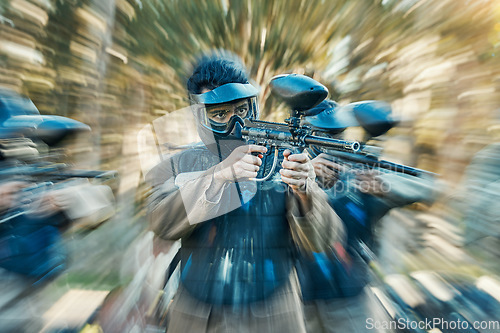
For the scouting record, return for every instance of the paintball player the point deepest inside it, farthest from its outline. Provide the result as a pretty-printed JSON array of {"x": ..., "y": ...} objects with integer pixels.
[
  {"x": 31, "y": 253},
  {"x": 239, "y": 236},
  {"x": 333, "y": 282},
  {"x": 37, "y": 203}
]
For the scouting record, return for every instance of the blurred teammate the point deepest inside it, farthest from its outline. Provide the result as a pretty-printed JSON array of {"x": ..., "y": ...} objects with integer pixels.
[
  {"x": 31, "y": 253},
  {"x": 333, "y": 282},
  {"x": 37, "y": 203},
  {"x": 238, "y": 236}
]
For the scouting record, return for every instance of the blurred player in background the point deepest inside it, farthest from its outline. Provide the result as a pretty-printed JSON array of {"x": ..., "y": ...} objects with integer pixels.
[{"x": 334, "y": 283}]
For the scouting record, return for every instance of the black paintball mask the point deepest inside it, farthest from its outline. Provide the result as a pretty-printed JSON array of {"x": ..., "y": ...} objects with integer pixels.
[
  {"x": 375, "y": 117},
  {"x": 220, "y": 113},
  {"x": 325, "y": 122}
]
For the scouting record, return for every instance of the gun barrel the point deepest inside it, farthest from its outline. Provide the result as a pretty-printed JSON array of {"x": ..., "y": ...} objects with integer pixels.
[
  {"x": 383, "y": 164},
  {"x": 55, "y": 171},
  {"x": 100, "y": 174},
  {"x": 352, "y": 146}
]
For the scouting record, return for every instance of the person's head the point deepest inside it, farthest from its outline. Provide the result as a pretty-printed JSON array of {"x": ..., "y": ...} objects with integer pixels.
[
  {"x": 219, "y": 89},
  {"x": 215, "y": 69},
  {"x": 221, "y": 97}
]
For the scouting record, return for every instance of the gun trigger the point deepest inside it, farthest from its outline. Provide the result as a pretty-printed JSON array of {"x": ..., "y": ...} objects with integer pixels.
[
  {"x": 270, "y": 150},
  {"x": 259, "y": 155}
]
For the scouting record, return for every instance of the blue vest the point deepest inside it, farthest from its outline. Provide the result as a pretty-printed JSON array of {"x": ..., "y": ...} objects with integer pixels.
[
  {"x": 244, "y": 255},
  {"x": 32, "y": 246},
  {"x": 324, "y": 275}
]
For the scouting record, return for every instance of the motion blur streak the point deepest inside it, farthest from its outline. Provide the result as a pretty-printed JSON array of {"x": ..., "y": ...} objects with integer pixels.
[{"x": 118, "y": 65}]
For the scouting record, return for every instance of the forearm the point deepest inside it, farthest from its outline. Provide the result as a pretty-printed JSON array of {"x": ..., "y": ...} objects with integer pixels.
[
  {"x": 304, "y": 202},
  {"x": 320, "y": 227},
  {"x": 188, "y": 199},
  {"x": 403, "y": 190},
  {"x": 167, "y": 215}
]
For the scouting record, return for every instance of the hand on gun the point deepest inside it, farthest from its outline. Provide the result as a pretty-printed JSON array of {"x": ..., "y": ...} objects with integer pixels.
[
  {"x": 297, "y": 169},
  {"x": 365, "y": 180},
  {"x": 369, "y": 181},
  {"x": 37, "y": 199},
  {"x": 9, "y": 193},
  {"x": 241, "y": 164},
  {"x": 53, "y": 201},
  {"x": 327, "y": 170}
]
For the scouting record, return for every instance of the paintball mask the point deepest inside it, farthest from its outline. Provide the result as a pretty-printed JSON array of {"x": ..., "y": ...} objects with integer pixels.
[
  {"x": 19, "y": 117},
  {"x": 221, "y": 110},
  {"x": 374, "y": 117},
  {"x": 220, "y": 113}
]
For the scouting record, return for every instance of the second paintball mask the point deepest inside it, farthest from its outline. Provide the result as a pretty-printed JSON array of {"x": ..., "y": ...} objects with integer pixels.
[{"x": 330, "y": 119}]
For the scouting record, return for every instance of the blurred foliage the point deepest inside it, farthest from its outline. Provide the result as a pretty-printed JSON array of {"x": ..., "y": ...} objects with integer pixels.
[
  {"x": 102, "y": 60},
  {"x": 119, "y": 64}
]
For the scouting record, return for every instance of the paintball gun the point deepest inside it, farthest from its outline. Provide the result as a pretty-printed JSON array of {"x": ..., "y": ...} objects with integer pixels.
[
  {"x": 25, "y": 139},
  {"x": 375, "y": 118},
  {"x": 300, "y": 93}
]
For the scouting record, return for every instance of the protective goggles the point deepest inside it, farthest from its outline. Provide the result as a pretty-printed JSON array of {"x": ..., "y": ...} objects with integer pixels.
[{"x": 215, "y": 109}]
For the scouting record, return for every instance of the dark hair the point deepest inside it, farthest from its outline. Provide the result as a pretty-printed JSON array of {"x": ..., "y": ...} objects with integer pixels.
[{"x": 214, "y": 70}]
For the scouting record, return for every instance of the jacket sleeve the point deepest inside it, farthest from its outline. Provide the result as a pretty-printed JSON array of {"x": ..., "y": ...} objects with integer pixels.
[
  {"x": 320, "y": 228},
  {"x": 166, "y": 212},
  {"x": 403, "y": 189},
  {"x": 178, "y": 202}
]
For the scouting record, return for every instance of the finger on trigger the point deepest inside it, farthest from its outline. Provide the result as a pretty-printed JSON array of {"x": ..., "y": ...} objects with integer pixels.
[
  {"x": 251, "y": 159},
  {"x": 257, "y": 149},
  {"x": 257, "y": 160}
]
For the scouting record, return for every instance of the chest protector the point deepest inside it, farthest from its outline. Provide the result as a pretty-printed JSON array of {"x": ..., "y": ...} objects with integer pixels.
[{"x": 244, "y": 255}]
